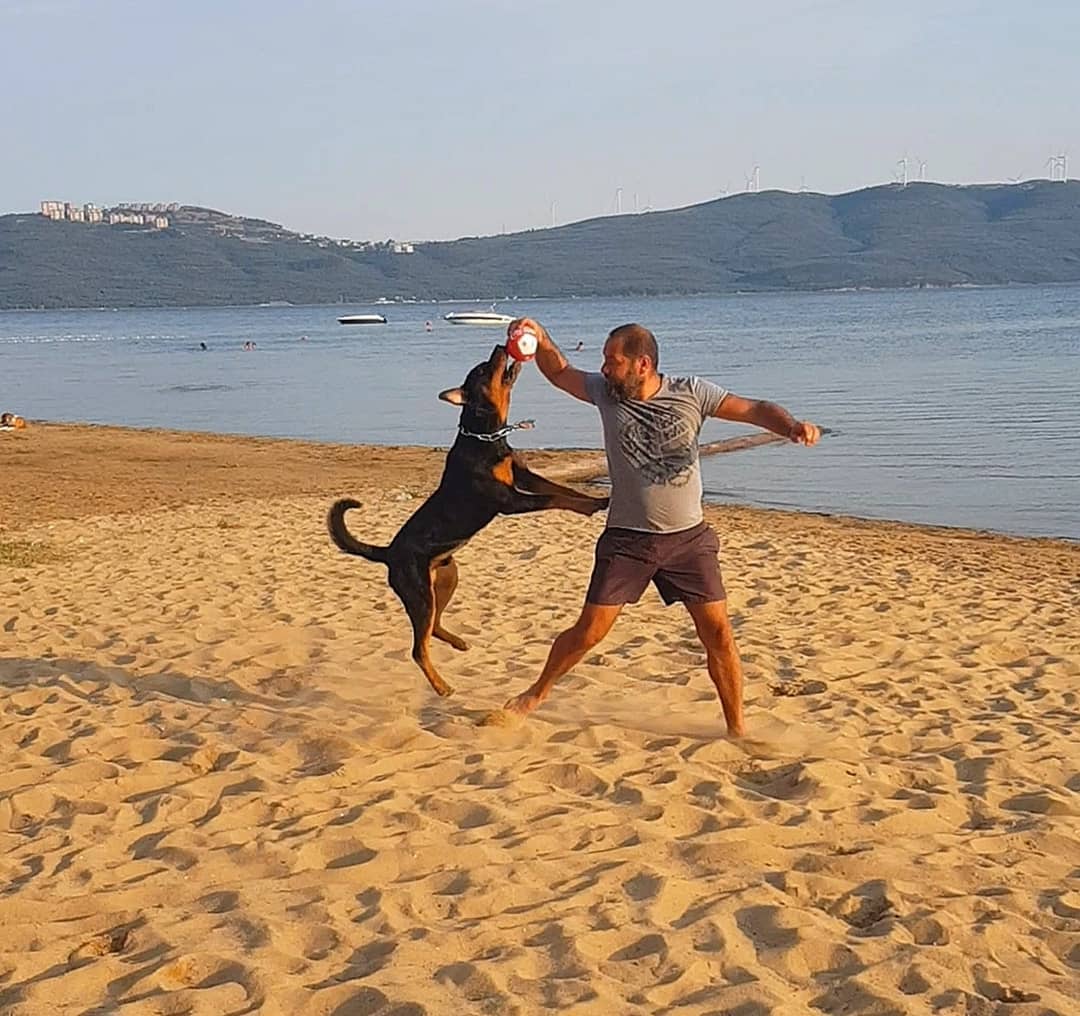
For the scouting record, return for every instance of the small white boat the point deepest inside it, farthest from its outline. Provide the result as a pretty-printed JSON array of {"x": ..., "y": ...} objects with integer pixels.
[
  {"x": 362, "y": 319},
  {"x": 477, "y": 317}
]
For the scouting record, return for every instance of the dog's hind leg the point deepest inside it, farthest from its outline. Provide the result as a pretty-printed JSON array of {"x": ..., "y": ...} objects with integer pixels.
[
  {"x": 413, "y": 584},
  {"x": 445, "y": 581}
]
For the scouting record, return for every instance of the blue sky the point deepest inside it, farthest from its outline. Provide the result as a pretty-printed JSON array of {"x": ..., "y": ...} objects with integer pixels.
[{"x": 420, "y": 120}]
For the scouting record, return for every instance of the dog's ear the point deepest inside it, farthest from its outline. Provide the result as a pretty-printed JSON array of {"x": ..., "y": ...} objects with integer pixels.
[{"x": 455, "y": 396}]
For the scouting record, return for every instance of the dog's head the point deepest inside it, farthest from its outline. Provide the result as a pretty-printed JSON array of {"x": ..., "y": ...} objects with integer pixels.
[{"x": 485, "y": 396}]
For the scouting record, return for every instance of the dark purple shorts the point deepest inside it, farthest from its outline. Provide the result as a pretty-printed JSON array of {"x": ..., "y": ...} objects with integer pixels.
[{"x": 683, "y": 566}]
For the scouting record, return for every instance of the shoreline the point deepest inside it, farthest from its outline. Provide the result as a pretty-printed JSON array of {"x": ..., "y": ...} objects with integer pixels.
[
  {"x": 485, "y": 301},
  {"x": 163, "y": 458}
]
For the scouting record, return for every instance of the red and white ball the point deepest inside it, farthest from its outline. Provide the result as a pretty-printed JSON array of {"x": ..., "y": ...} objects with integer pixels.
[{"x": 522, "y": 344}]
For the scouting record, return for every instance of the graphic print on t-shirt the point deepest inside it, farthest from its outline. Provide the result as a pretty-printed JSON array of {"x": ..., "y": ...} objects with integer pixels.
[{"x": 660, "y": 443}]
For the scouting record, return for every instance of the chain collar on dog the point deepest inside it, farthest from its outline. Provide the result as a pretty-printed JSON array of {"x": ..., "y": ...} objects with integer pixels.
[{"x": 497, "y": 435}]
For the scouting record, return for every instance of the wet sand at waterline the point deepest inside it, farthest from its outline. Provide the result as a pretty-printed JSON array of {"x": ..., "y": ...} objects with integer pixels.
[{"x": 227, "y": 788}]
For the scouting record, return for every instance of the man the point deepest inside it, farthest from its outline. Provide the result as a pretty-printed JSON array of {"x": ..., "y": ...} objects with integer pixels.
[{"x": 655, "y": 529}]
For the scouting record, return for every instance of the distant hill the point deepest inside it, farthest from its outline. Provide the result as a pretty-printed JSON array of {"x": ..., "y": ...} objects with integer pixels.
[{"x": 921, "y": 235}]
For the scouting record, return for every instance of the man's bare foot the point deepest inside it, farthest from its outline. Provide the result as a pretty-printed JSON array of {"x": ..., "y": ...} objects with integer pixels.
[{"x": 523, "y": 704}]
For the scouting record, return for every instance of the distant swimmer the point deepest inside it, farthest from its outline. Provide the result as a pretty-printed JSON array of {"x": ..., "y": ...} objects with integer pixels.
[
  {"x": 427, "y": 326},
  {"x": 579, "y": 347},
  {"x": 203, "y": 345},
  {"x": 303, "y": 338}
]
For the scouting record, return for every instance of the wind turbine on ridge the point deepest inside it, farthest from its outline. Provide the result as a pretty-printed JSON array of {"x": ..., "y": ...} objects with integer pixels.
[{"x": 1059, "y": 167}]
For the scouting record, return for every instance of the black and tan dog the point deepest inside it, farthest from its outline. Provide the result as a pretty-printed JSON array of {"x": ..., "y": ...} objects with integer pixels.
[{"x": 483, "y": 478}]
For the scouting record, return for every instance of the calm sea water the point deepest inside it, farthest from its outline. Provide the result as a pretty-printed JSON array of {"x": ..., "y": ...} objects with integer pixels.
[{"x": 957, "y": 408}]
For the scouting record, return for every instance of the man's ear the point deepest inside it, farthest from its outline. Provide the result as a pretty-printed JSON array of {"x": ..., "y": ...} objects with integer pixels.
[{"x": 455, "y": 396}]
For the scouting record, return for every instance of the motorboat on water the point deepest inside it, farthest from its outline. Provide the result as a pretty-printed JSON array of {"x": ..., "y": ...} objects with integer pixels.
[
  {"x": 477, "y": 317},
  {"x": 362, "y": 319}
]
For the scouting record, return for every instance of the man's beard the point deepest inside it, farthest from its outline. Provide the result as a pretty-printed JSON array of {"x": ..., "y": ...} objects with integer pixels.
[{"x": 626, "y": 390}]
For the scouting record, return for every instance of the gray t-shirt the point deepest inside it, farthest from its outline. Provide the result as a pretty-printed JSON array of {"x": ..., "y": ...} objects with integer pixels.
[{"x": 652, "y": 452}]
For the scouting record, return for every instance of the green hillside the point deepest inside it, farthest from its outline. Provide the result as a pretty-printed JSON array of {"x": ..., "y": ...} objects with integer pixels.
[{"x": 890, "y": 236}]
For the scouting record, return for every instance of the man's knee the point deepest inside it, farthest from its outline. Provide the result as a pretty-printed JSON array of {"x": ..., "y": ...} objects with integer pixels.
[
  {"x": 712, "y": 621},
  {"x": 585, "y": 636},
  {"x": 593, "y": 624}
]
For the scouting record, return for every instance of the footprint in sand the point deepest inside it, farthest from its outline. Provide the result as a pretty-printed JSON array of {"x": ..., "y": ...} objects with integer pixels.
[
  {"x": 914, "y": 982},
  {"x": 110, "y": 942},
  {"x": 927, "y": 930},
  {"x": 792, "y": 688}
]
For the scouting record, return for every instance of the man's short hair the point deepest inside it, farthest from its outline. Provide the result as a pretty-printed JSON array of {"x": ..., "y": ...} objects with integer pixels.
[{"x": 635, "y": 340}]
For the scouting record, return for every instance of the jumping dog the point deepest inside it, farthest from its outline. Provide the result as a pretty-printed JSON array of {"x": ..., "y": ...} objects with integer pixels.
[{"x": 483, "y": 477}]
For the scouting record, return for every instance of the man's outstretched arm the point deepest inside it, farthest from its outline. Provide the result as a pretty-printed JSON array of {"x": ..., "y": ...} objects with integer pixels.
[
  {"x": 768, "y": 416},
  {"x": 549, "y": 358}
]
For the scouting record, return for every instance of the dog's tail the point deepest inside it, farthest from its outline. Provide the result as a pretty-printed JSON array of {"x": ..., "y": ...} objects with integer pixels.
[{"x": 340, "y": 534}]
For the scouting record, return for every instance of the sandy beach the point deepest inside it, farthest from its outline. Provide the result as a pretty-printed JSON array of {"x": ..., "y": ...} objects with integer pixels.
[{"x": 226, "y": 788}]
